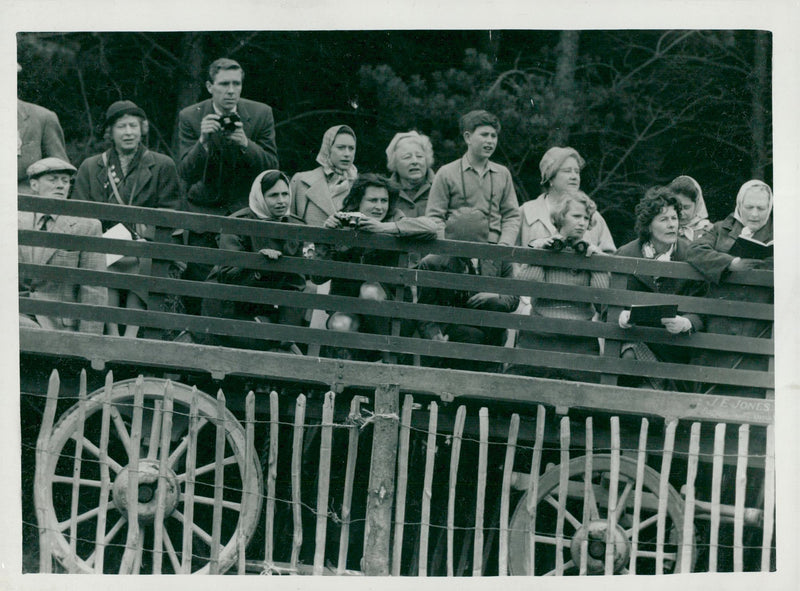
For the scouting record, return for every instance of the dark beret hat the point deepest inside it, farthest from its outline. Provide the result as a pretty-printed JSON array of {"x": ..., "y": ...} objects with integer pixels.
[{"x": 120, "y": 108}]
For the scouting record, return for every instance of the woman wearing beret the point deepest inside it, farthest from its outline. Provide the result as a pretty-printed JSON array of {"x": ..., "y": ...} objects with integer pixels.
[
  {"x": 561, "y": 175},
  {"x": 658, "y": 217},
  {"x": 709, "y": 254},
  {"x": 128, "y": 173}
]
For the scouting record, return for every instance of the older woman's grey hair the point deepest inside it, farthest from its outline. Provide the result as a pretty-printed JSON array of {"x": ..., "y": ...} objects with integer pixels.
[
  {"x": 422, "y": 141},
  {"x": 577, "y": 198}
]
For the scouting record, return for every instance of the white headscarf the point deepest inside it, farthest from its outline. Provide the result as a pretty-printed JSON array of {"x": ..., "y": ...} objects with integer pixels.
[
  {"x": 257, "y": 203},
  {"x": 700, "y": 218},
  {"x": 747, "y": 232}
]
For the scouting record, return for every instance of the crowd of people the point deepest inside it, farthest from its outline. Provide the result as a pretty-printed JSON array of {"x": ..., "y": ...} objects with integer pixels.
[{"x": 228, "y": 166}]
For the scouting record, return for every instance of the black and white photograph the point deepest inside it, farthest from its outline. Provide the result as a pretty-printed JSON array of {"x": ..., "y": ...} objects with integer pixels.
[{"x": 354, "y": 292}]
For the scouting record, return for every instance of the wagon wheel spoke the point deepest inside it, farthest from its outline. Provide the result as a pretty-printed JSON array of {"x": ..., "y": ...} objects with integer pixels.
[
  {"x": 623, "y": 500},
  {"x": 552, "y": 540},
  {"x": 173, "y": 556},
  {"x": 63, "y": 525},
  {"x": 106, "y": 539},
  {"x": 569, "y": 516},
  {"x": 82, "y": 481},
  {"x": 643, "y": 524},
  {"x": 652, "y": 554},
  {"x": 201, "y": 533},
  {"x": 95, "y": 451},
  {"x": 567, "y": 565},
  {"x": 122, "y": 431},
  {"x": 208, "y": 467},
  {"x": 178, "y": 452}
]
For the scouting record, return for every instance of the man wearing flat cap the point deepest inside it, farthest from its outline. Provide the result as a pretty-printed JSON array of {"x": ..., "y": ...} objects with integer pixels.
[
  {"x": 224, "y": 143},
  {"x": 50, "y": 177}
]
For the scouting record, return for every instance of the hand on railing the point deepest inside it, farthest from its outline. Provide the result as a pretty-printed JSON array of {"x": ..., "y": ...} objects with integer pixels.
[
  {"x": 271, "y": 253},
  {"x": 624, "y": 318},
  {"x": 677, "y": 325}
]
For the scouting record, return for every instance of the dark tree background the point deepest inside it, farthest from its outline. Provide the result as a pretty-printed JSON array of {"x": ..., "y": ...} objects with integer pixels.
[{"x": 641, "y": 106}]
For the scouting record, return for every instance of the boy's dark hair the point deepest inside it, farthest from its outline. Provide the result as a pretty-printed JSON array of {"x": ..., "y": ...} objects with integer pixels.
[
  {"x": 353, "y": 200},
  {"x": 223, "y": 63},
  {"x": 474, "y": 119},
  {"x": 654, "y": 200}
]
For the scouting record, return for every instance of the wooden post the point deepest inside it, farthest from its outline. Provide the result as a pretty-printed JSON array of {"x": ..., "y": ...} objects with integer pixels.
[
  {"x": 378, "y": 526},
  {"x": 324, "y": 481},
  {"x": 688, "y": 513},
  {"x": 76, "y": 464},
  {"x": 508, "y": 468},
  {"x": 589, "y": 504},
  {"x": 663, "y": 493},
  {"x": 188, "y": 495},
  {"x": 613, "y": 491},
  {"x": 46, "y": 431},
  {"x": 427, "y": 489},
  {"x": 483, "y": 452},
  {"x": 532, "y": 496},
  {"x": 716, "y": 492},
  {"x": 455, "y": 454},
  {"x": 402, "y": 485},
  {"x": 250, "y": 418},
  {"x": 297, "y": 465},
  {"x": 349, "y": 478},
  {"x": 105, "y": 480},
  {"x": 219, "y": 476},
  {"x": 612, "y": 348},
  {"x": 272, "y": 475},
  {"x": 769, "y": 501},
  {"x": 741, "y": 486},
  {"x": 637, "y": 494},
  {"x": 563, "y": 491}
]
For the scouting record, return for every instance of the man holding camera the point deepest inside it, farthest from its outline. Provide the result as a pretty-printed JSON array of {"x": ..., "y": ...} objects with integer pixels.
[{"x": 224, "y": 143}]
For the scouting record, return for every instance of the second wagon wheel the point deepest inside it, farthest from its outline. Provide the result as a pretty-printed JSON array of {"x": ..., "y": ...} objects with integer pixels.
[
  {"x": 585, "y": 532},
  {"x": 89, "y": 530}
]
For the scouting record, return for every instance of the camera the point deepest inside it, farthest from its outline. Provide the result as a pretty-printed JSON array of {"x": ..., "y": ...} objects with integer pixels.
[
  {"x": 559, "y": 244},
  {"x": 229, "y": 121},
  {"x": 349, "y": 218}
]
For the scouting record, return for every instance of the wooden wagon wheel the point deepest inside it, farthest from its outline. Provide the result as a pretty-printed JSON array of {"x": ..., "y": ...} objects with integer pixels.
[
  {"x": 88, "y": 527},
  {"x": 584, "y": 532}
]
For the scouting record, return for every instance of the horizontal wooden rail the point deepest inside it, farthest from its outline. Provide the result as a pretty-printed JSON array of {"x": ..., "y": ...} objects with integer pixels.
[
  {"x": 204, "y": 324},
  {"x": 326, "y": 268},
  {"x": 392, "y": 309},
  {"x": 218, "y": 224},
  {"x": 463, "y": 384}
]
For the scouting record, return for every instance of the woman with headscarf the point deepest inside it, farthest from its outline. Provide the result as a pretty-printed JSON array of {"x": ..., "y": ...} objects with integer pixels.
[
  {"x": 319, "y": 193},
  {"x": 270, "y": 201},
  {"x": 561, "y": 175},
  {"x": 128, "y": 173},
  {"x": 694, "y": 215},
  {"x": 710, "y": 255}
]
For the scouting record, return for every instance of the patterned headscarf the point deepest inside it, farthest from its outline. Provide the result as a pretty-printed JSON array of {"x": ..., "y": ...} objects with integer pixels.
[
  {"x": 324, "y": 156},
  {"x": 257, "y": 203},
  {"x": 747, "y": 232},
  {"x": 554, "y": 158}
]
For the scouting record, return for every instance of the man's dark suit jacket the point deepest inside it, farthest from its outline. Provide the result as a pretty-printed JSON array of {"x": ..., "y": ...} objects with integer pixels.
[{"x": 218, "y": 180}]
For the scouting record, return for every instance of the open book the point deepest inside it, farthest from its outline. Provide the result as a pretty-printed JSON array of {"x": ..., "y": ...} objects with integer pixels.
[
  {"x": 652, "y": 315},
  {"x": 748, "y": 248}
]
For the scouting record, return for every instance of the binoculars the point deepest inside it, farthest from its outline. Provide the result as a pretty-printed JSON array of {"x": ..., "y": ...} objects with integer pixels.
[{"x": 559, "y": 244}]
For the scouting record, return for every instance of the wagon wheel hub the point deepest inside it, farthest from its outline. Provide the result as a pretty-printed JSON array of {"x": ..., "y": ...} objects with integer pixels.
[
  {"x": 147, "y": 497},
  {"x": 594, "y": 534}
]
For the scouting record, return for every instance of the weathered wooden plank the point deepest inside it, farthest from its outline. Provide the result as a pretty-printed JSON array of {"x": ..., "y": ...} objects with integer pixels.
[
  {"x": 349, "y": 479},
  {"x": 383, "y": 463},
  {"x": 455, "y": 454},
  {"x": 191, "y": 357},
  {"x": 105, "y": 480},
  {"x": 188, "y": 496},
  {"x": 217, "y": 224},
  {"x": 297, "y": 465},
  {"x": 402, "y": 484},
  {"x": 480, "y": 494},
  {"x": 248, "y": 476},
  {"x": 738, "y": 377},
  {"x": 589, "y": 502},
  {"x": 663, "y": 493},
  {"x": 427, "y": 489},
  {"x": 165, "y": 430},
  {"x": 272, "y": 475},
  {"x": 219, "y": 482},
  {"x": 76, "y": 464},
  {"x": 637, "y": 495},
  {"x": 532, "y": 495},
  {"x": 613, "y": 485},
  {"x": 716, "y": 491},
  {"x": 42, "y": 452},
  {"x": 505, "y": 494},
  {"x": 408, "y": 310},
  {"x": 769, "y": 502},
  {"x": 741, "y": 489},
  {"x": 133, "y": 542},
  {"x": 687, "y": 547},
  {"x": 323, "y": 482},
  {"x": 563, "y": 493}
]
